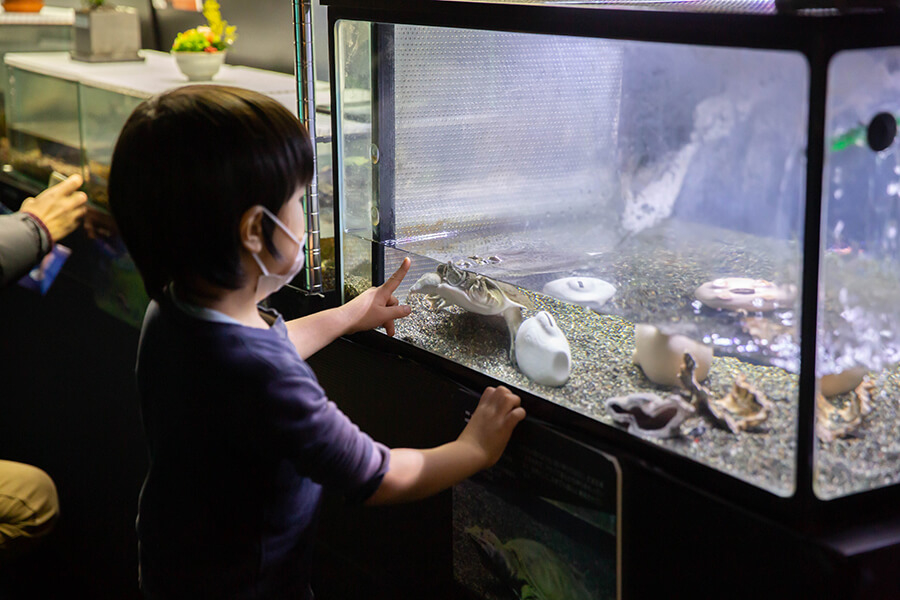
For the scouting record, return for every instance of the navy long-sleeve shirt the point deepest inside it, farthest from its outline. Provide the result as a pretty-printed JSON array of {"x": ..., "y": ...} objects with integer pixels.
[{"x": 241, "y": 438}]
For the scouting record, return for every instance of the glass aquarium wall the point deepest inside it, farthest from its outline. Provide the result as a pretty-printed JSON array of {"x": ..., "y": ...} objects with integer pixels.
[
  {"x": 614, "y": 226},
  {"x": 103, "y": 114},
  {"x": 857, "y": 346},
  {"x": 42, "y": 125},
  {"x": 23, "y": 37}
]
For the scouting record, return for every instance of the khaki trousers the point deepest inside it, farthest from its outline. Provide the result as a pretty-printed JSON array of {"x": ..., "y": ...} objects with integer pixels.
[{"x": 28, "y": 507}]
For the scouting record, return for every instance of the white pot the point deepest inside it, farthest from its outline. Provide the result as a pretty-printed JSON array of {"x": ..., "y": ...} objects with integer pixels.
[
  {"x": 199, "y": 66},
  {"x": 586, "y": 291},
  {"x": 542, "y": 351}
]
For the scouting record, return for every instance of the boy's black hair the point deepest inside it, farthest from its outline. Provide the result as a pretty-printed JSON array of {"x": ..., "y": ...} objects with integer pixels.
[{"x": 188, "y": 163}]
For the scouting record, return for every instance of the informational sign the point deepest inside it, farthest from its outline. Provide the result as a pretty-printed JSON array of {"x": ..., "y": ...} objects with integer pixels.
[{"x": 542, "y": 523}]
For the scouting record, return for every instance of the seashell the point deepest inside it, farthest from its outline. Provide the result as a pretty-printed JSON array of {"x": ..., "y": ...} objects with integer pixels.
[
  {"x": 650, "y": 415},
  {"x": 835, "y": 384},
  {"x": 542, "y": 351},
  {"x": 747, "y": 294},
  {"x": 743, "y": 407},
  {"x": 585, "y": 291},
  {"x": 837, "y": 419},
  {"x": 661, "y": 356}
]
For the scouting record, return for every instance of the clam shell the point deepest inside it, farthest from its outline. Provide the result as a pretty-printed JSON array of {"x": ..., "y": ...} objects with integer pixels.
[{"x": 648, "y": 414}]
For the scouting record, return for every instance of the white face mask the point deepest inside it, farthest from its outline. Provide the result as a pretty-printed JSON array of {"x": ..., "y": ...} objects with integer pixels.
[{"x": 269, "y": 283}]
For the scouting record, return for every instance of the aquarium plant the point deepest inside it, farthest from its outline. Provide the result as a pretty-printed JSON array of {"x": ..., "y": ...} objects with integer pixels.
[{"x": 216, "y": 36}]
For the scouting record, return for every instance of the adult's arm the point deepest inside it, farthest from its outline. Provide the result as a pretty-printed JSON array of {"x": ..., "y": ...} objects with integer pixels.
[
  {"x": 23, "y": 243},
  {"x": 28, "y": 235}
]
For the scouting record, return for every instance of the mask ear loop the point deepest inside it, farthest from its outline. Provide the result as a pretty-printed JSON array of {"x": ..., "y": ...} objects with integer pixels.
[
  {"x": 283, "y": 227},
  {"x": 260, "y": 264}
]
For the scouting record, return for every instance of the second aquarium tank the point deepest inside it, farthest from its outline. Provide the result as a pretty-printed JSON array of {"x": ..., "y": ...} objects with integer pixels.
[{"x": 618, "y": 226}]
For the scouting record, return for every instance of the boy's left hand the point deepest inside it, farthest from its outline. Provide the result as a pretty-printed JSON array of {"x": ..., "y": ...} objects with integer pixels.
[{"x": 377, "y": 306}]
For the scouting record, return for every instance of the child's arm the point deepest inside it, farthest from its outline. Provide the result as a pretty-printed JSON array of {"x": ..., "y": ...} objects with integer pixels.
[
  {"x": 415, "y": 474},
  {"x": 375, "y": 307}
]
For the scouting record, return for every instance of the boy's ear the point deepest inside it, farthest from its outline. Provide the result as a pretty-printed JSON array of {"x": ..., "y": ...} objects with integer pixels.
[{"x": 251, "y": 229}]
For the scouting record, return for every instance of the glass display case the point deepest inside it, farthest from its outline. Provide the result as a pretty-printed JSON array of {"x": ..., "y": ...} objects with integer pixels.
[
  {"x": 677, "y": 221},
  {"x": 46, "y": 31},
  {"x": 43, "y": 125},
  {"x": 65, "y": 116}
]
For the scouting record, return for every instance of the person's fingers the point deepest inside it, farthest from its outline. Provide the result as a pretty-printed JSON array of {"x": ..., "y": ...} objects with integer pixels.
[
  {"x": 393, "y": 282},
  {"x": 389, "y": 328},
  {"x": 79, "y": 199},
  {"x": 69, "y": 185},
  {"x": 515, "y": 416}
]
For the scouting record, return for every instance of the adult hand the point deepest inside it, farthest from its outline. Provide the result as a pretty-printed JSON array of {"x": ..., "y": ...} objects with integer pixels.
[
  {"x": 60, "y": 207},
  {"x": 377, "y": 306}
]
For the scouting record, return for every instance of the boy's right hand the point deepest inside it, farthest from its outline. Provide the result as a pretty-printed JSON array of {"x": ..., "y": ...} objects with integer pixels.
[
  {"x": 491, "y": 425},
  {"x": 377, "y": 306}
]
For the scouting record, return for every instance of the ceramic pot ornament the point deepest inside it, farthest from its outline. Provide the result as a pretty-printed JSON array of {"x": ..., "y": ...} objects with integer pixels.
[
  {"x": 542, "y": 350},
  {"x": 746, "y": 294},
  {"x": 589, "y": 292},
  {"x": 661, "y": 356}
]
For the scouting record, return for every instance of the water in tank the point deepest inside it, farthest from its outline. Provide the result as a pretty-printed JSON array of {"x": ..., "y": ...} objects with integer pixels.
[{"x": 614, "y": 226}]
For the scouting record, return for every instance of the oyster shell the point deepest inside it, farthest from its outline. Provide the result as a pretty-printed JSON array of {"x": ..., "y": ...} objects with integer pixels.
[
  {"x": 741, "y": 408},
  {"x": 648, "y": 414},
  {"x": 837, "y": 418}
]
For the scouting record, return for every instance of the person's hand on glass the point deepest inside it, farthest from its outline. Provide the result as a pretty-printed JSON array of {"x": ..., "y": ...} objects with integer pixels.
[{"x": 60, "y": 207}]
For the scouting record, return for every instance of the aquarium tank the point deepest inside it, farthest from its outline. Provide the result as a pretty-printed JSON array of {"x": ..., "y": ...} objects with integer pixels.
[{"x": 619, "y": 227}]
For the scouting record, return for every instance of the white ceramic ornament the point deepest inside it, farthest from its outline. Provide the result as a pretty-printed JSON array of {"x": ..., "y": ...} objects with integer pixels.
[
  {"x": 542, "y": 351},
  {"x": 589, "y": 292},
  {"x": 661, "y": 356}
]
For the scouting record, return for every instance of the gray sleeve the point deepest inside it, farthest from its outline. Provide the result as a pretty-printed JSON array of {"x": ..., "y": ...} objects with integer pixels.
[{"x": 22, "y": 245}]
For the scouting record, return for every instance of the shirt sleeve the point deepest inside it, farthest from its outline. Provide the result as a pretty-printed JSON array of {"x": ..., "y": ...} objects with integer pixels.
[
  {"x": 22, "y": 246},
  {"x": 321, "y": 441}
]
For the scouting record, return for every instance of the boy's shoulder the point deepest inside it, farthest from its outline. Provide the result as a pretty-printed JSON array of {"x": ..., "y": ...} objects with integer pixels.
[{"x": 235, "y": 349}]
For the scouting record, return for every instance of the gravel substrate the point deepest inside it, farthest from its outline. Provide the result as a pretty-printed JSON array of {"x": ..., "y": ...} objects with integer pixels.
[
  {"x": 656, "y": 273},
  {"x": 601, "y": 349}
]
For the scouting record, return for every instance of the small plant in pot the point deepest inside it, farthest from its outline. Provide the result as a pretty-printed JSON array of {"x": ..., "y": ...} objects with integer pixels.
[
  {"x": 199, "y": 52},
  {"x": 105, "y": 32}
]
